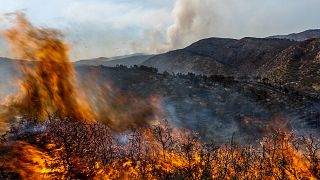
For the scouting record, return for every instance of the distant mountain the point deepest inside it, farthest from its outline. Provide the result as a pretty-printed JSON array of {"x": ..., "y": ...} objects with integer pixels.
[
  {"x": 281, "y": 61},
  {"x": 220, "y": 56},
  {"x": 92, "y": 62},
  {"x": 302, "y": 36},
  {"x": 128, "y": 60}
]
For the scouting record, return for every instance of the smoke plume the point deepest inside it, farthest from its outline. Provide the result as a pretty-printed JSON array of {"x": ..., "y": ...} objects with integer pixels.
[{"x": 192, "y": 20}]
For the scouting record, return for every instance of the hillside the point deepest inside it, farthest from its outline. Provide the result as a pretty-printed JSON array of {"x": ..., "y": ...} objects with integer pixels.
[
  {"x": 220, "y": 56},
  {"x": 216, "y": 106},
  {"x": 292, "y": 64},
  {"x": 297, "y": 66}
]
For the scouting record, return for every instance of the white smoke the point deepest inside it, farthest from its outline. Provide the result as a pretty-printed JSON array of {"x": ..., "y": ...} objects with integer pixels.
[{"x": 193, "y": 20}]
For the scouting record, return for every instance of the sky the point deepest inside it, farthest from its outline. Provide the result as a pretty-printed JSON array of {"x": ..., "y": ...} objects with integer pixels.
[{"x": 106, "y": 28}]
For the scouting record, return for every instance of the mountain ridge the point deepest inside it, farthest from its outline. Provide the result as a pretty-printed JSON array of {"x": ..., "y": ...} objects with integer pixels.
[
  {"x": 220, "y": 55},
  {"x": 278, "y": 60},
  {"x": 128, "y": 60},
  {"x": 301, "y": 36}
]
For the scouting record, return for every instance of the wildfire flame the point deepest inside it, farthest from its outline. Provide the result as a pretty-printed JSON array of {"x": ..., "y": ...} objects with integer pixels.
[
  {"x": 49, "y": 81},
  {"x": 24, "y": 161}
]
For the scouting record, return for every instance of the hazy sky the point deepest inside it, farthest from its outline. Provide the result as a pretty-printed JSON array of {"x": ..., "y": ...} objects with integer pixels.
[{"x": 97, "y": 28}]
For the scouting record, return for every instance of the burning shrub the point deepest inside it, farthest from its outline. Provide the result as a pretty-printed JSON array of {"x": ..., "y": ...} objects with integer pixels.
[{"x": 67, "y": 148}]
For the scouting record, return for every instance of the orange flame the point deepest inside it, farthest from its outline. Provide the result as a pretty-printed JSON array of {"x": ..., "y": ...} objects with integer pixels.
[
  {"x": 49, "y": 81},
  {"x": 25, "y": 161}
]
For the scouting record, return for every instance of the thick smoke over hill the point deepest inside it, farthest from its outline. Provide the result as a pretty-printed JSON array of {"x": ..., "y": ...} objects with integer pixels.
[{"x": 190, "y": 22}]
